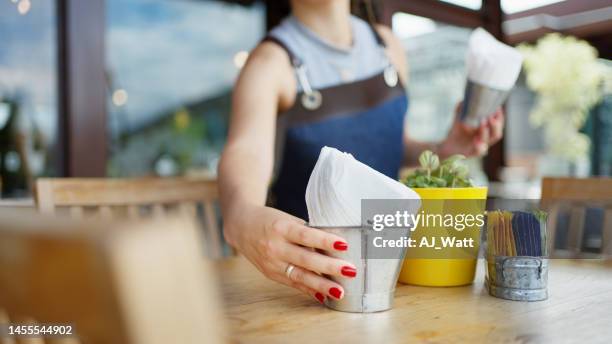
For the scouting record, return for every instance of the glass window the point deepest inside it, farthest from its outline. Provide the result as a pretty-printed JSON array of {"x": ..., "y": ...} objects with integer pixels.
[
  {"x": 408, "y": 25},
  {"x": 524, "y": 144},
  {"x": 472, "y": 4},
  {"x": 436, "y": 58},
  {"x": 508, "y": 6},
  {"x": 28, "y": 94},
  {"x": 171, "y": 67}
]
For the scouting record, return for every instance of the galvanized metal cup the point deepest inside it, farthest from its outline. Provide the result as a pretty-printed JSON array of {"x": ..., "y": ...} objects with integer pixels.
[
  {"x": 373, "y": 289},
  {"x": 518, "y": 278},
  {"x": 479, "y": 102}
]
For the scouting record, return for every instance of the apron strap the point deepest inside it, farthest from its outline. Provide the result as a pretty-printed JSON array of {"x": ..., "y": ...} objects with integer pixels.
[
  {"x": 390, "y": 72},
  {"x": 379, "y": 39},
  {"x": 295, "y": 61},
  {"x": 311, "y": 99}
]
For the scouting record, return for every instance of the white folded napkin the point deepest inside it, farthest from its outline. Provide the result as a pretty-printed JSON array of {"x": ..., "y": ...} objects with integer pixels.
[
  {"x": 339, "y": 182},
  {"x": 492, "y": 63}
]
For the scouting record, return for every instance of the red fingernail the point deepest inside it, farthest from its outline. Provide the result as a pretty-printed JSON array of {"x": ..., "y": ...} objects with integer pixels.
[
  {"x": 348, "y": 271},
  {"x": 335, "y": 292},
  {"x": 320, "y": 297},
  {"x": 340, "y": 246}
]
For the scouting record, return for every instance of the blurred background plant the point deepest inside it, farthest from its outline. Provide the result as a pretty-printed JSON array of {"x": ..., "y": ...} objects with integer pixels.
[{"x": 568, "y": 79}]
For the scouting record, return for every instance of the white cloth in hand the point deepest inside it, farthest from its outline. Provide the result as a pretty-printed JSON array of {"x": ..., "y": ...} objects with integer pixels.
[{"x": 492, "y": 63}]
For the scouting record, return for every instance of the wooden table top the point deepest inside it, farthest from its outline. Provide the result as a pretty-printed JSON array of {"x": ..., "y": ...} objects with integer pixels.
[{"x": 579, "y": 309}]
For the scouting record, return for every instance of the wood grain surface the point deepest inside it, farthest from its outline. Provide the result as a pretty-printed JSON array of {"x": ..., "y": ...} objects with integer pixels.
[{"x": 579, "y": 309}]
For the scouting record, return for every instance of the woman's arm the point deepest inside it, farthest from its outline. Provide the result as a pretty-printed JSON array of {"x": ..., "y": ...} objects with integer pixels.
[
  {"x": 269, "y": 238},
  {"x": 460, "y": 139},
  {"x": 247, "y": 160}
]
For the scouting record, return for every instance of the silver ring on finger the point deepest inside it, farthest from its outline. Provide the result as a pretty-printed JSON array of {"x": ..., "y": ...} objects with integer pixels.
[{"x": 289, "y": 270}]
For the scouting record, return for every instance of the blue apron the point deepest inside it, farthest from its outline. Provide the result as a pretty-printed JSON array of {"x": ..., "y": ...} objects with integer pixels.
[{"x": 364, "y": 118}]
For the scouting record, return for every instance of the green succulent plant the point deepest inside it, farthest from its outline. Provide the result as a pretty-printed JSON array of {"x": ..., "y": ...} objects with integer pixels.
[{"x": 451, "y": 172}]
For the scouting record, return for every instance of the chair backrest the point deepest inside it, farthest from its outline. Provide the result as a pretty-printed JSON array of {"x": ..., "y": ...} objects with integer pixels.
[
  {"x": 576, "y": 206},
  {"x": 17, "y": 204},
  {"x": 135, "y": 198},
  {"x": 139, "y": 283}
]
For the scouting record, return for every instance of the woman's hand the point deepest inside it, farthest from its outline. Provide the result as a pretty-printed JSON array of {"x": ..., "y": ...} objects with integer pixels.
[
  {"x": 275, "y": 239},
  {"x": 472, "y": 141}
]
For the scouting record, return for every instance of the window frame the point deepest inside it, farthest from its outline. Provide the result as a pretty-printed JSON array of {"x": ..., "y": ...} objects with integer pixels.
[{"x": 82, "y": 92}]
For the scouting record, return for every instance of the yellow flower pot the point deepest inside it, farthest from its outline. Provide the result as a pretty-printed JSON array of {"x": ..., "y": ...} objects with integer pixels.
[{"x": 420, "y": 265}]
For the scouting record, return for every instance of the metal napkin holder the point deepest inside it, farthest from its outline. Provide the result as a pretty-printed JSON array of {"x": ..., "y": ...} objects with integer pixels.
[{"x": 373, "y": 289}]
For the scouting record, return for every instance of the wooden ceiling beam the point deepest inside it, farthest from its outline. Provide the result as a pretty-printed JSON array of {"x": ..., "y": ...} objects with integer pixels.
[
  {"x": 563, "y": 8},
  {"x": 434, "y": 9}
]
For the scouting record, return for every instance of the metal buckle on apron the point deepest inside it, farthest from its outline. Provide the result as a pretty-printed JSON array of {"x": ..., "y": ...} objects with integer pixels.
[
  {"x": 391, "y": 76},
  {"x": 311, "y": 99}
]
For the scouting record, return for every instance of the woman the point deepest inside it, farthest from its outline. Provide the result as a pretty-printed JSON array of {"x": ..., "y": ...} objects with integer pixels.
[{"x": 322, "y": 77}]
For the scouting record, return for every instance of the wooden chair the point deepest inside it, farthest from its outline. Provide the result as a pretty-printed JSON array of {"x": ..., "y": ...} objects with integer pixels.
[
  {"x": 135, "y": 198},
  {"x": 142, "y": 283},
  {"x": 17, "y": 204},
  {"x": 573, "y": 197}
]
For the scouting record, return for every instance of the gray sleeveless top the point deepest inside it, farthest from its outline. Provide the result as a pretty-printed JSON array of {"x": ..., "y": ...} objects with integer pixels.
[{"x": 328, "y": 65}]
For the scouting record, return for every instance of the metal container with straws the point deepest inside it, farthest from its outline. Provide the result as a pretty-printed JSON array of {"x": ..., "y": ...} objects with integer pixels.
[{"x": 517, "y": 266}]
